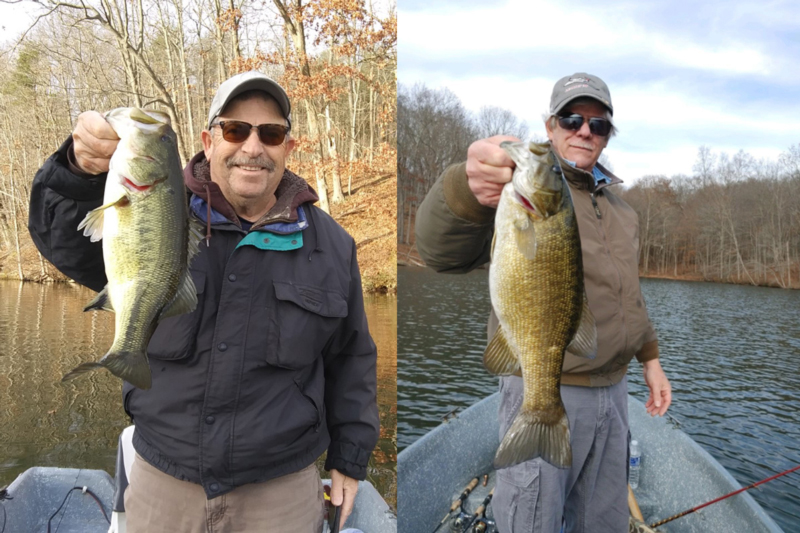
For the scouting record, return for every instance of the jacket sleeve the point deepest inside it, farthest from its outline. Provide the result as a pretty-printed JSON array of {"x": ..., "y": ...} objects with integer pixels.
[
  {"x": 59, "y": 202},
  {"x": 351, "y": 387},
  {"x": 454, "y": 231}
]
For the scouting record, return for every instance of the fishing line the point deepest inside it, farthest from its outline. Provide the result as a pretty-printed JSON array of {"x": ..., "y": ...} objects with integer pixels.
[
  {"x": 734, "y": 493},
  {"x": 85, "y": 490}
]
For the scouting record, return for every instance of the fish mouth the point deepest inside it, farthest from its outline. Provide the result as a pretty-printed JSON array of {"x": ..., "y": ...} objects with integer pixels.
[{"x": 525, "y": 203}]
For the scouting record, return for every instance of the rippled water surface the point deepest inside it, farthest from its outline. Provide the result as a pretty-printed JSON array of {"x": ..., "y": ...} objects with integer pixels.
[
  {"x": 731, "y": 352},
  {"x": 44, "y": 333}
]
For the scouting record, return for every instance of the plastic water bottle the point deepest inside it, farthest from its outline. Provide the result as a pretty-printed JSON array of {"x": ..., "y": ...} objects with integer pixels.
[{"x": 636, "y": 464}]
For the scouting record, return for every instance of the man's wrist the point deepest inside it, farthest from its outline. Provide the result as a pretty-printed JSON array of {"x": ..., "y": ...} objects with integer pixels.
[
  {"x": 460, "y": 198},
  {"x": 72, "y": 163}
]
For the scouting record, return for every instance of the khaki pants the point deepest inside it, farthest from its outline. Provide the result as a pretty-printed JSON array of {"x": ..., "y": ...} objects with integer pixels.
[{"x": 156, "y": 502}]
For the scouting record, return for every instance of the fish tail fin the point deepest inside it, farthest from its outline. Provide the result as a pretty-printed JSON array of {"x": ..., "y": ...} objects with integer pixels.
[
  {"x": 130, "y": 366},
  {"x": 530, "y": 437}
]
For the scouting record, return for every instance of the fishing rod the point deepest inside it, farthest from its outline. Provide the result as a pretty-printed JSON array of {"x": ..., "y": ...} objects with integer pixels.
[
  {"x": 482, "y": 509},
  {"x": 459, "y": 501},
  {"x": 734, "y": 493}
]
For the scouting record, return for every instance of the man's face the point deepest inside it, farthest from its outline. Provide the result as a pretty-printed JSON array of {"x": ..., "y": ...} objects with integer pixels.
[
  {"x": 581, "y": 146},
  {"x": 248, "y": 173}
]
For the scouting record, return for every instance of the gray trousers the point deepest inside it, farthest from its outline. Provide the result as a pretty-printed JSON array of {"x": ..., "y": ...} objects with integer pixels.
[{"x": 591, "y": 497}]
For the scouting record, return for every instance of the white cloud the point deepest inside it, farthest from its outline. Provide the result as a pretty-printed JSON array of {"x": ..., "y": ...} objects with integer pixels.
[
  {"x": 674, "y": 89},
  {"x": 525, "y": 28}
]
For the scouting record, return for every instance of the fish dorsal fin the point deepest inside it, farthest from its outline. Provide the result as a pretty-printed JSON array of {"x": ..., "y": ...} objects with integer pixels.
[
  {"x": 584, "y": 343},
  {"x": 100, "y": 302},
  {"x": 499, "y": 358},
  {"x": 92, "y": 224},
  {"x": 185, "y": 300}
]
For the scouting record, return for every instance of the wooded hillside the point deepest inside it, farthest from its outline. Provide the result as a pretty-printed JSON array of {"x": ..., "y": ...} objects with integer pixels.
[
  {"x": 336, "y": 58},
  {"x": 735, "y": 219}
]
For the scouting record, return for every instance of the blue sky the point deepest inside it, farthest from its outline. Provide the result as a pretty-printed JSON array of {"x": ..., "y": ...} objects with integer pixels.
[{"x": 724, "y": 74}]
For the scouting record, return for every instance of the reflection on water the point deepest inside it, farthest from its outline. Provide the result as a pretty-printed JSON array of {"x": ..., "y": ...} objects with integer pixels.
[
  {"x": 44, "y": 333},
  {"x": 732, "y": 354}
]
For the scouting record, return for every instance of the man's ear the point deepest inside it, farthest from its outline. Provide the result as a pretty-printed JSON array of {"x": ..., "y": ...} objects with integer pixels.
[
  {"x": 207, "y": 139},
  {"x": 290, "y": 142}
]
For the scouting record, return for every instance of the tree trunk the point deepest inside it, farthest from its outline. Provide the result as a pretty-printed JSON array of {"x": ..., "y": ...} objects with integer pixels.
[{"x": 338, "y": 196}]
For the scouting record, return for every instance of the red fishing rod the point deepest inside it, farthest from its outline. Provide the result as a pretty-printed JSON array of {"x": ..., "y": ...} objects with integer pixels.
[{"x": 734, "y": 493}]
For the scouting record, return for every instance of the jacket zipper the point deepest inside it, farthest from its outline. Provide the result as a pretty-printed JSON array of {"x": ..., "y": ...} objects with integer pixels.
[{"x": 596, "y": 207}]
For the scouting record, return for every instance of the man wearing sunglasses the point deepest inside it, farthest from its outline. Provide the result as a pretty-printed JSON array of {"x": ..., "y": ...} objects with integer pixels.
[
  {"x": 454, "y": 234},
  {"x": 274, "y": 367}
]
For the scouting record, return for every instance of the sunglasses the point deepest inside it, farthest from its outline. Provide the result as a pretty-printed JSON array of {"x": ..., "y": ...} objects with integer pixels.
[
  {"x": 598, "y": 126},
  {"x": 236, "y": 131}
]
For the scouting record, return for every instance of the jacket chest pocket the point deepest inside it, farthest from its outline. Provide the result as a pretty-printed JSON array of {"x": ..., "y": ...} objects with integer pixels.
[
  {"x": 176, "y": 336},
  {"x": 302, "y": 323}
]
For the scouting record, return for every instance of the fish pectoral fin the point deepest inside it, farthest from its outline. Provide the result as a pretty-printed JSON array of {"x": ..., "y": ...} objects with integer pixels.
[
  {"x": 584, "y": 343},
  {"x": 100, "y": 302},
  {"x": 499, "y": 358},
  {"x": 195, "y": 236},
  {"x": 526, "y": 240},
  {"x": 185, "y": 300},
  {"x": 92, "y": 224}
]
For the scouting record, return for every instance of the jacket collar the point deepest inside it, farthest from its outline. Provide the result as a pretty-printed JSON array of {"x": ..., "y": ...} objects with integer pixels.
[
  {"x": 292, "y": 191},
  {"x": 582, "y": 179}
]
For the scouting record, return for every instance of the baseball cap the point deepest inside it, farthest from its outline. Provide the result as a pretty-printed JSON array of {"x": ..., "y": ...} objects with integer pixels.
[
  {"x": 247, "y": 81},
  {"x": 579, "y": 85}
]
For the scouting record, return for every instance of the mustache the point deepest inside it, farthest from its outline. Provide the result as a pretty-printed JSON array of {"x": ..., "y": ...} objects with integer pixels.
[
  {"x": 262, "y": 161},
  {"x": 587, "y": 146}
]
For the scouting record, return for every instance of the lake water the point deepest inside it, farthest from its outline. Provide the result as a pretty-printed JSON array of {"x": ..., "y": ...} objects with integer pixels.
[
  {"x": 44, "y": 333},
  {"x": 732, "y": 354}
]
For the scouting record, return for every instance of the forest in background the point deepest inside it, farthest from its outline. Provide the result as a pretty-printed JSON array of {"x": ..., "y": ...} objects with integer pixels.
[
  {"x": 336, "y": 59},
  {"x": 736, "y": 219}
]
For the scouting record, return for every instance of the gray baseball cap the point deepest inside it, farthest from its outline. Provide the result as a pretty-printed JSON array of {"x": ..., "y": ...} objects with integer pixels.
[
  {"x": 247, "y": 81},
  {"x": 579, "y": 85}
]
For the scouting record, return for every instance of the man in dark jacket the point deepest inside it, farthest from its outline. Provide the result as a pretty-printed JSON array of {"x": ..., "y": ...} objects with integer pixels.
[
  {"x": 275, "y": 365},
  {"x": 454, "y": 233}
]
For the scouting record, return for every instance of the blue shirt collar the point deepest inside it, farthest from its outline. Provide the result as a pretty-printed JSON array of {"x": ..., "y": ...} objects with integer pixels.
[{"x": 198, "y": 206}]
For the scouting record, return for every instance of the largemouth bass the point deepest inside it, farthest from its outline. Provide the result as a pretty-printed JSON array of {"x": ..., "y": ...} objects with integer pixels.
[
  {"x": 536, "y": 286},
  {"x": 144, "y": 225}
]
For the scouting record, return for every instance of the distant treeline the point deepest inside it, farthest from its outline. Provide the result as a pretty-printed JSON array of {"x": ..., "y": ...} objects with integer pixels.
[
  {"x": 337, "y": 60},
  {"x": 736, "y": 219}
]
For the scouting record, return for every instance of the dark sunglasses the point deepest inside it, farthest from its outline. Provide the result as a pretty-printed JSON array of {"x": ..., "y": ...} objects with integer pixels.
[
  {"x": 236, "y": 131},
  {"x": 598, "y": 126}
]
